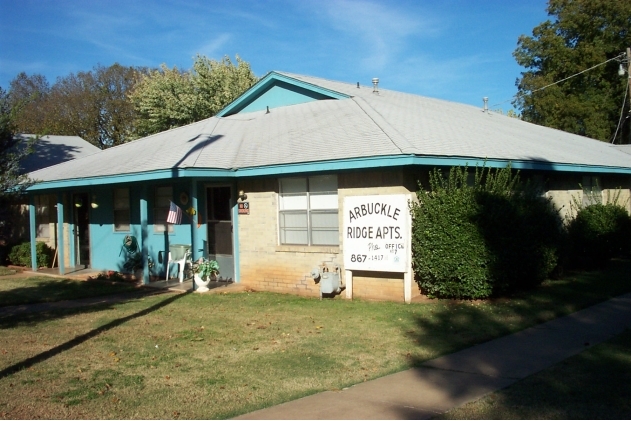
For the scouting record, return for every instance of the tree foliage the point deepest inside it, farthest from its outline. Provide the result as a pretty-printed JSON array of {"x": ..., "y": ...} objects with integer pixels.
[
  {"x": 93, "y": 105},
  {"x": 168, "y": 98},
  {"x": 12, "y": 151},
  {"x": 582, "y": 34}
]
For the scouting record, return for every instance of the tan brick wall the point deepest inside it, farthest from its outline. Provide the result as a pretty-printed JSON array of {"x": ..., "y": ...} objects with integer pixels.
[
  {"x": 378, "y": 286},
  {"x": 266, "y": 265}
]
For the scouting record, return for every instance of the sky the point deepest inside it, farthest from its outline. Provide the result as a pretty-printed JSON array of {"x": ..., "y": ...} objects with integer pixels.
[{"x": 457, "y": 50}]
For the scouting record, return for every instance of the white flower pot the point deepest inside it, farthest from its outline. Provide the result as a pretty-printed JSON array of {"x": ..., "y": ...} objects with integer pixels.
[{"x": 202, "y": 284}]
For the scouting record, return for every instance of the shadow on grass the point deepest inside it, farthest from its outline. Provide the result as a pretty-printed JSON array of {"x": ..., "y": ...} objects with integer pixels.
[
  {"x": 456, "y": 325},
  {"x": 82, "y": 338},
  {"x": 591, "y": 385},
  {"x": 45, "y": 290}
]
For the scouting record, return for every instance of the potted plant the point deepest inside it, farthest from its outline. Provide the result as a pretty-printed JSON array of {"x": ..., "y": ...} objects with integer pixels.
[{"x": 204, "y": 270}]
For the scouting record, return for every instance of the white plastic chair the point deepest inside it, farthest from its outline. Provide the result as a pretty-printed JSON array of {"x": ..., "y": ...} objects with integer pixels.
[{"x": 181, "y": 265}]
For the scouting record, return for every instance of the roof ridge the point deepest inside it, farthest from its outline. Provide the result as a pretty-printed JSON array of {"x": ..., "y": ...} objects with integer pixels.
[
  {"x": 209, "y": 134},
  {"x": 393, "y": 134}
]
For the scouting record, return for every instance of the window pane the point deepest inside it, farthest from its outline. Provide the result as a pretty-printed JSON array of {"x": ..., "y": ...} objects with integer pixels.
[
  {"x": 324, "y": 228},
  {"x": 325, "y": 238},
  {"x": 323, "y": 183},
  {"x": 323, "y": 200},
  {"x": 43, "y": 230},
  {"x": 42, "y": 218},
  {"x": 163, "y": 196},
  {"x": 592, "y": 192},
  {"x": 293, "y": 228},
  {"x": 293, "y": 185},
  {"x": 121, "y": 198},
  {"x": 324, "y": 220},
  {"x": 293, "y": 202}
]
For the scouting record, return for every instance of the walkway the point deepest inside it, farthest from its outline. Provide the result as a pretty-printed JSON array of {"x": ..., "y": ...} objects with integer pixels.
[
  {"x": 154, "y": 288},
  {"x": 453, "y": 380}
]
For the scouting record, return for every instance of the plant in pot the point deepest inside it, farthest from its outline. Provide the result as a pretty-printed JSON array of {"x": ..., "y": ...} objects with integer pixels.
[{"x": 204, "y": 271}]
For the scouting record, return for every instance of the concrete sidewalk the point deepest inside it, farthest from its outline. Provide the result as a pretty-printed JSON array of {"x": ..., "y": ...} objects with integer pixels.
[{"x": 453, "y": 380}]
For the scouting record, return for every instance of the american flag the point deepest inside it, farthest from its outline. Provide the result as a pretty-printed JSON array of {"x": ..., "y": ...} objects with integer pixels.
[{"x": 175, "y": 214}]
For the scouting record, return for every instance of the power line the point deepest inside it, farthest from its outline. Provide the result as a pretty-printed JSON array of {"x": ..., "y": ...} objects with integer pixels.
[
  {"x": 619, "y": 56},
  {"x": 620, "y": 122}
]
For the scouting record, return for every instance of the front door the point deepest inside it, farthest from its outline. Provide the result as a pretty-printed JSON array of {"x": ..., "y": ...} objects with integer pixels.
[
  {"x": 218, "y": 203},
  {"x": 81, "y": 206}
]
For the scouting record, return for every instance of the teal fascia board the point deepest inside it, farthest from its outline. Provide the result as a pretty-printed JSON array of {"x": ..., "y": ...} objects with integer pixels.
[
  {"x": 265, "y": 83},
  {"x": 167, "y": 174},
  {"x": 411, "y": 160},
  {"x": 322, "y": 166}
]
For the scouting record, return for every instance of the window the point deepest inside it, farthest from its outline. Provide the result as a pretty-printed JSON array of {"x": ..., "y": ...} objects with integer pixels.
[
  {"x": 592, "y": 192},
  {"x": 122, "y": 214},
  {"x": 308, "y": 211},
  {"x": 42, "y": 216},
  {"x": 162, "y": 200}
]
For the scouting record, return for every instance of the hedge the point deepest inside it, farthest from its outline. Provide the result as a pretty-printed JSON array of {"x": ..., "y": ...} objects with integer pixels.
[
  {"x": 598, "y": 233},
  {"x": 21, "y": 254},
  {"x": 488, "y": 237}
]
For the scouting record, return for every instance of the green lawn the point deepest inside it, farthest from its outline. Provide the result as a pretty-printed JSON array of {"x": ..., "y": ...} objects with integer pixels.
[
  {"x": 219, "y": 355},
  {"x": 592, "y": 385},
  {"x": 40, "y": 289},
  {"x": 6, "y": 271}
]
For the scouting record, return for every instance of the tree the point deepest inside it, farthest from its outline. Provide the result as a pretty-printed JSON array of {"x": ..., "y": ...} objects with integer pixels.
[
  {"x": 93, "y": 105},
  {"x": 584, "y": 33},
  {"x": 29, "y": 94},
  {"x": 168, "y": 98},
  {"x": 12, "y": 151}
]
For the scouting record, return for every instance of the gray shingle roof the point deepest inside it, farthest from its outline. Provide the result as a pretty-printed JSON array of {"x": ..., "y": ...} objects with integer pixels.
[
  {"x": 366, "y": 125},
  {"x": 53, "y": 150}
]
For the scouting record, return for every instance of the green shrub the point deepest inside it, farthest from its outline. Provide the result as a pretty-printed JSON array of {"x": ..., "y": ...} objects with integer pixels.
[
  {"x": 598, "y": 233},
  {"x": 473, "y": 241},
  {"x": 21, "y": 254}
]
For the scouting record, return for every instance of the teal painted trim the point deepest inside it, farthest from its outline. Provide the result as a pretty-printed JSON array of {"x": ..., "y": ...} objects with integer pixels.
[
  {"x": 268, "y": 81},
  {"x": 60, "y": 234},
  {"x": 334, "y": 165},
  {"x": 72, "y": 238},
  {"x": 235, "y": 232},
  {"x": 411, "y": 160},
  {"x": 194, "y": 237},
  {"x": 144, "y": 223},
  {"x": 168, "y": 174},
  {"x": 33, "y": 232}
]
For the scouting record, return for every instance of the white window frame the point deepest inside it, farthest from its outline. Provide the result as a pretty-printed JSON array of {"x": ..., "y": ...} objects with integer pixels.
[{"x": 332, "y": 210}]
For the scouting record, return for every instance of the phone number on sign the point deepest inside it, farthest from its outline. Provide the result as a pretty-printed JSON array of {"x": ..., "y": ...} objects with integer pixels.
[{"x": 363, "y": 257}]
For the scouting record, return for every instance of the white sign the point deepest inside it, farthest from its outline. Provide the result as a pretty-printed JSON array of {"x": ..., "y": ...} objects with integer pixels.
[{"x": 376, "y": 233}]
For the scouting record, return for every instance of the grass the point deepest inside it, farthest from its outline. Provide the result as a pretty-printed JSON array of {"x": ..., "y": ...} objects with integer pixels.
[
  {"x": 591, "y": 385},
  {"x": 6, "y": 271},
  {"x": 40, "y": 289},
  {"x": 216, "y": 356}
]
